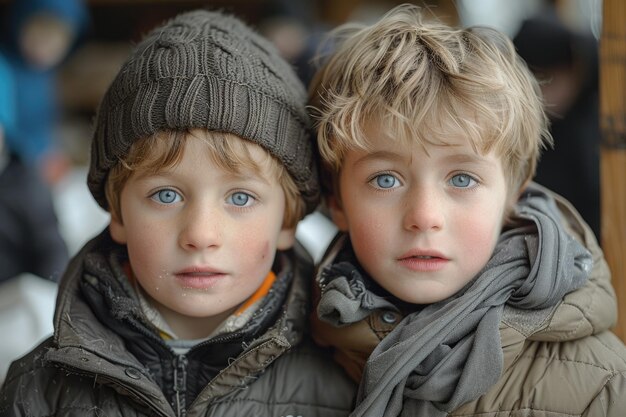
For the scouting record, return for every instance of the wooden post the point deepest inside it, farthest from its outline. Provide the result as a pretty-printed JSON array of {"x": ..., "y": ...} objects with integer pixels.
[{"x": 613, "y": 148}]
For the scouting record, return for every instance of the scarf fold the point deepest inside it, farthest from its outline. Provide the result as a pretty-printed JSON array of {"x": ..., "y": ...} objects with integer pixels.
[
  {"x": 449, "y": 353},
  {"x": 346, "y": 298}
]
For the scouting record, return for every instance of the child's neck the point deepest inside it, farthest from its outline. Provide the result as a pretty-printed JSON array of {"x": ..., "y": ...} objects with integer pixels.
[{"x": 192, "y": 328}]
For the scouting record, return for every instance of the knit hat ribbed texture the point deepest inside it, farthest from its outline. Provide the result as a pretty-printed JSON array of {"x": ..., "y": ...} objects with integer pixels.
[{"x": 206, "y": 70}]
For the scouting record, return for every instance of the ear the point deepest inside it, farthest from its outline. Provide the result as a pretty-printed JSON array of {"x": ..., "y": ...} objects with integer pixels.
[
  {"x": 286, "y": 239},
  {"x": 337, "y": 213},
  {"x": 117, "y": 229}
]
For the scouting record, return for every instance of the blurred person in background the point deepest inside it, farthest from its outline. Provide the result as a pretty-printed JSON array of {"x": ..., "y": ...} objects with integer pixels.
[
  {"x": 37, "y": 36},
  {"x": 296, "y": 31},
  {"x": 565, "y": 61},
  {"x": 29, "y": 236}
]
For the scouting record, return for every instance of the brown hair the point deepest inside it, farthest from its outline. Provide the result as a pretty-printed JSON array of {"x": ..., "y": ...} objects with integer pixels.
[{"x": 165, "y": 150}]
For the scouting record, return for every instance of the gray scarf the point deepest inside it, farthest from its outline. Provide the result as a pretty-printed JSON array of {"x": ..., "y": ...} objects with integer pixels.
[{"x": 449, "y": 353}]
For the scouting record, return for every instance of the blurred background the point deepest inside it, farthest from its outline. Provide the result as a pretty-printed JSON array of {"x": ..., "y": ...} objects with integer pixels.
[{"x": 57, "y": 58}]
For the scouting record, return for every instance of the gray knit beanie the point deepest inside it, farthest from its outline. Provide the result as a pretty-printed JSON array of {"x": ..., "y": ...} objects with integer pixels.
[{"x": 206, "y": 70}]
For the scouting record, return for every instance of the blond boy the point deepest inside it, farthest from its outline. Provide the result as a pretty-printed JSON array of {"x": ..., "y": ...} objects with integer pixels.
[
  {"x": 193, "y": 301},
  {"x": 455, "y": 286}
]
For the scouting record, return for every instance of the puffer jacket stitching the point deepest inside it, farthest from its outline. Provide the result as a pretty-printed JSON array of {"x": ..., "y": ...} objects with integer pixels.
[
  {"x": 510, "y": 322},
  {"x": 601, "y": 390},
  {"x": 84, "y": 409},
  {"x": 272, "y": 403},
  {"x": 251, "y": 372},
  {"x": 565, "y": 360},
  {"x": 585, "y": 312},
  {"x": 612, "y": 350},
  {"x": 519, "y": 410},
  {"x": 588, "y": 310}
]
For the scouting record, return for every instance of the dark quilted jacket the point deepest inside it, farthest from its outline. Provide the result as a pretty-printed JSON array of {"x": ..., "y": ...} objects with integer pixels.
[{"x": 103, "y": 360}]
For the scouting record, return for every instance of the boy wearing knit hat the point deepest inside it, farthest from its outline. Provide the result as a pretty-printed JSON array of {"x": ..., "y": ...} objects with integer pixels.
[{"x": 193, "y": 301}]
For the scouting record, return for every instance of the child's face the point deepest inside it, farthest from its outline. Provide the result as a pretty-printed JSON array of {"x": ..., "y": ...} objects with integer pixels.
[
  {"x": 200, "y": 239},
  {"x": 422, "y": 225},
  {"x": 45, "y": 40}
]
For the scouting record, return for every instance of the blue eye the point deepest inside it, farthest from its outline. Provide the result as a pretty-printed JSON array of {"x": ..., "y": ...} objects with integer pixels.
[
  {"x": 462, "y": 181},
  {"x": 385, "y": 181},
  {"x": 166, "y": 196},
  {"x": 240, "y": 199}
]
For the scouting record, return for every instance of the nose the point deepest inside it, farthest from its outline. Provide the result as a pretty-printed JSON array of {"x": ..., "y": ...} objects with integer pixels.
[
  {"x": 201, "y": 228},
  {"x": 424, "y": 210}
]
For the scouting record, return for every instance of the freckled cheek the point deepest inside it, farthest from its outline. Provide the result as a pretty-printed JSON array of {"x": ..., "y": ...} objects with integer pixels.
[
  {"x": 146, "y": 264},
  {"x": 370, "y": 237},
  {"x": 265, "y": 250},
  {"x": 255, "y": 245}
]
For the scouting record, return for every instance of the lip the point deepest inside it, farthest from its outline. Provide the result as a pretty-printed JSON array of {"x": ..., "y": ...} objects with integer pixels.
[
  {"x": 199, "y": 277},
  {"x": 423, "y": 260}
]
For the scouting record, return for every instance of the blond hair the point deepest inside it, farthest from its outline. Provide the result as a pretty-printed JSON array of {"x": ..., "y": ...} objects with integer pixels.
[
  {"x": 165, "y": 150},
  {"x": 422, "y": 78}
]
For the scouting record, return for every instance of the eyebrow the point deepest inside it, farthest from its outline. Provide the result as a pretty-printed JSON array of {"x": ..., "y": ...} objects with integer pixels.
[
  {"x": 248, "y": 176},
  {"x": 465, "y": 158},
  {"x": 378, "y": 155},
  {"x": 456, "y": 158},
  {"x": 243, "y": 176}
]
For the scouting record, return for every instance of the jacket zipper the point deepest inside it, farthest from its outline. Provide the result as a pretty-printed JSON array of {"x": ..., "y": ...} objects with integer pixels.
[{"x": 180, "y": 384}]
